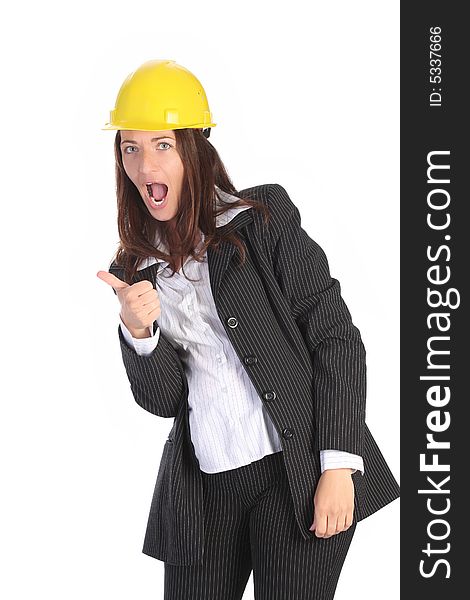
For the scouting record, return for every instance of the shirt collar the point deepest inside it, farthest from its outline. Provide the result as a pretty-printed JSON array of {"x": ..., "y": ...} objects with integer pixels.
[{"x": 220, "y": 221}]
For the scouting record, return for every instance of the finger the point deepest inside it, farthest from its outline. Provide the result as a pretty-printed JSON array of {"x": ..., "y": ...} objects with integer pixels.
[
  {"x": 147, "y": 314},
  {"x": 342, "y": 526},
  {"x": 314, "y": 524},
  {"x": 142, "y": 287},
  {"x": 112, "y": 280},
  {"x": 148, "y": 298},
  {"x": 143, "y": 305},
  {"x": 321, "y": 524},
  {"x": 150, "y": 312},
  {"x": 348, "y": 519},
  {"x": 332, "y": 525},
  {"x": 155, "y": 313},
  {"x": 326, "y": 534}
]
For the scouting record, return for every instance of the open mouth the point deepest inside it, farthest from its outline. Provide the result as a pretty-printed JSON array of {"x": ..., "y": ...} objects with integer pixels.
[{"x": 157, "y": 192}]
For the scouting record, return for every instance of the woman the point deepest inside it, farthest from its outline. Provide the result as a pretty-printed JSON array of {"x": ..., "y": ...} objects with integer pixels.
[{"x": 231, "y": 323}]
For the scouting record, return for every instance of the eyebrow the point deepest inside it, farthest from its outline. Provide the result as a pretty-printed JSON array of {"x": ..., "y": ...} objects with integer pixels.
[{"x": 154, "y": 139}]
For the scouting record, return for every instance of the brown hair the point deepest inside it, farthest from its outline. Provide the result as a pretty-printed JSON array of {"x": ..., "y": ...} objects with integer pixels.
[{"x": 203, "y": 170}]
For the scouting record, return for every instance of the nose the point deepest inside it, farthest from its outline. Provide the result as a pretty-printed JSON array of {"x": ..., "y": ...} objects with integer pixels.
[{"x": 148, "y": 164}]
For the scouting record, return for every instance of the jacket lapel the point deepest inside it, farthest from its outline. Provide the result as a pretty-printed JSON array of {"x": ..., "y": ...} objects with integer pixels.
[{"x": 218, "y": 259}]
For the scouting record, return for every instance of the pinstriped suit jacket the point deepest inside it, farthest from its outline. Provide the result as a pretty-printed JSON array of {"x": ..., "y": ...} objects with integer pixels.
[{"x": 285, "y": 309}]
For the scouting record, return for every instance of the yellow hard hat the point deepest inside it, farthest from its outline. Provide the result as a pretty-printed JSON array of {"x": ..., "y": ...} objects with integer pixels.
[{"x": 161, "y": 95}]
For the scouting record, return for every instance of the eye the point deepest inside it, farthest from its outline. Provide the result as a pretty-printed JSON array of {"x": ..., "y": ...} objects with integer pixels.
[{"x": 135, "y": 147}]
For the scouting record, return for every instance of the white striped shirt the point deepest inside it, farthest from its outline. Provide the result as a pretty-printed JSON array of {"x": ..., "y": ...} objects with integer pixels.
[{"x": 229, "y": 424}]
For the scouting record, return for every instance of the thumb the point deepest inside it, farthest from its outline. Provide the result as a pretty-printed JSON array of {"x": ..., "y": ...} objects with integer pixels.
[{"x": 112, "y": 280}]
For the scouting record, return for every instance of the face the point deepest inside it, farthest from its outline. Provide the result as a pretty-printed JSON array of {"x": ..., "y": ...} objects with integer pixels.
[{"x": 150, "y": 157}]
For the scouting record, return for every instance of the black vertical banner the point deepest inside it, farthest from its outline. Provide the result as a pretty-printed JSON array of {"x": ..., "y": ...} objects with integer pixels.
[{"x": 434, "y": 260}]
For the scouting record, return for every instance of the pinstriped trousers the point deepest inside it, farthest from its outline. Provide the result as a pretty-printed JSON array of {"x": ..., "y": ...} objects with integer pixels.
[{"x": 250, "y": 526}]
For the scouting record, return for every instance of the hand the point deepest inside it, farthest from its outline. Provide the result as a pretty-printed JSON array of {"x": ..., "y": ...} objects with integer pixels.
[
  {"x": 140, "y": 304},
  {"x": 333, "y": 502}
]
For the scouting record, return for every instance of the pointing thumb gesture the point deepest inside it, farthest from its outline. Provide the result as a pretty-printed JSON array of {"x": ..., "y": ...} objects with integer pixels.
[
  {"x": 140, "y": 304},
  {"x": 112, "y": 280}
]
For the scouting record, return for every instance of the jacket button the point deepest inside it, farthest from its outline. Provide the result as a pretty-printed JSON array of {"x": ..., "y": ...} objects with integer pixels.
[
  {"x": 250, "y": 360},
  {"x": 269, "y": 396},
  {"x": 232, "y": 322},
  {"x": 287, "y": 433}
]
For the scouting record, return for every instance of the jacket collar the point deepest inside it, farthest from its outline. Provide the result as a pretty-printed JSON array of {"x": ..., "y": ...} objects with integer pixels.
[
  {"x": 218, "y": 260},
  {"x": 230, "y": 220}
]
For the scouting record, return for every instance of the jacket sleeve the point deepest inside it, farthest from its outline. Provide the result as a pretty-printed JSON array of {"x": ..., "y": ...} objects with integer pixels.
[
  {"x": 333, "y": 341},
  {"x": 158, "y": 381}
]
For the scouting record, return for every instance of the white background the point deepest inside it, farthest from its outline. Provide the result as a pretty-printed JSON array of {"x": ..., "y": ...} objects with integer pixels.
[{"x": 304, "y": 94}]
